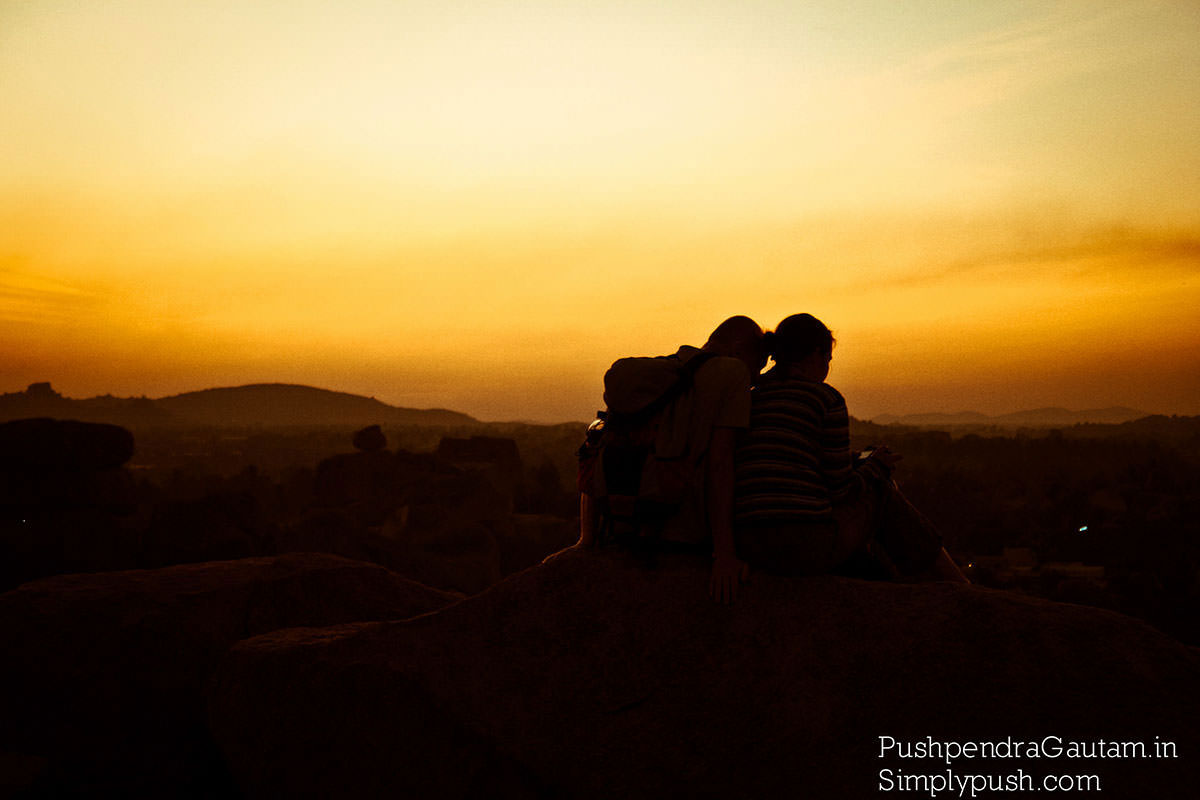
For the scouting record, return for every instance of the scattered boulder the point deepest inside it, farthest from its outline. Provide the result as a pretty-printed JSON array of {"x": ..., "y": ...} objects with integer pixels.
[
  {"x": 593, "y": 677},
  {"x": 366, "y": 481},
  {"x": 462, "y": 558},
  {"x": 51, "y": 464},
  {"x": 370, "y": 485},
  {"x": 496, "y": 450},
  {"x": 495, "y": 458},
  {"x": 31, "y": 491},
  {"x": 42, "y": 390},
  {"x": 447, "y": 533},
  {"x": 370, "y": 439},
  {"x": 222, "y": 526},
  {"x": 57, "y": 444},
  {"x": 327, "y": 531},
  {"x": 413, "y": 513},
  {"x": 62, "y": 490},
  {"x": 103, "y": 674}
]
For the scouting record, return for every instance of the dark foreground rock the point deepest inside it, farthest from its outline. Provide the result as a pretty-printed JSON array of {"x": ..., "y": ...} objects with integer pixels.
[
  {"x": 63, "y": 492},
  {"x": 531, "y": 538},
  {"x": 63, "y": 444},
  {"x": 104, "y": 674},
  {"x": 591, "y": 677}
]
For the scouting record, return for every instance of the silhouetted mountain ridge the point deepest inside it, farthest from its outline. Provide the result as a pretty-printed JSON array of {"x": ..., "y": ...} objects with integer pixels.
[
  {"x": 251, "y": 405},
  {"x": 1049, "y": 417},
  {"x": 295, "y": 404}
]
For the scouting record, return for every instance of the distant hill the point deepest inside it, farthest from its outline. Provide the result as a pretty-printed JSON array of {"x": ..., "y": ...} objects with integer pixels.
[
  {"x": 263, "y": 404},
  {"x": 1035, "y": 418},
  {"x": 934, "y": 420},
  {"x": 290, "y": 404}
]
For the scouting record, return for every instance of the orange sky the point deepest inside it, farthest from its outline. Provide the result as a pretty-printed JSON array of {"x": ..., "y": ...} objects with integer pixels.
[{"x": 995, "y": 206}]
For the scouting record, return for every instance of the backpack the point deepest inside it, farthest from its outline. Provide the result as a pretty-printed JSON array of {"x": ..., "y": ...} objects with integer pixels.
[{"x": 635, "y": 488}]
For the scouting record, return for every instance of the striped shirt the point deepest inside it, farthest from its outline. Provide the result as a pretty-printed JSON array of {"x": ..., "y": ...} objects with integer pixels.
[{"x": 794, "y": 463}]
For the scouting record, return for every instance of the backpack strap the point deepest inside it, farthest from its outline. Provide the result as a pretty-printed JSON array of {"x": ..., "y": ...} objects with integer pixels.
[{"x": 687, "y": 374}]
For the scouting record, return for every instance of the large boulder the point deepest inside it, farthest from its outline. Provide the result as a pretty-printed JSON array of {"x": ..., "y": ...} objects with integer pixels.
[
  {"x": 65, "y": 541},
  {"x": 221, "y": 526},
  {"x": 45, "y": 443},
  {"x": 372, "y": 484},
  {"x": 417, "y": 514},
  {"x": 35, "y": 491},
  {"x": 460, "y": 558},
  {"x": 592, "y": 676},
  {"x": 327, "y": 531},
  {"x": 63, "y": 491},
  {"x": 370, "y": 439},
  {"x": 49, "y": 465},
  {"x": 365, "y": 481},
  {"x": 104, "y": 674},
  {"x": 495, "y": 458}
]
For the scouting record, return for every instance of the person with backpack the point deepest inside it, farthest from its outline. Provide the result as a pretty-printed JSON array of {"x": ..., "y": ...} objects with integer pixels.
[
  {"x": 656, "y": 472},
  {"x": 805, "y": 504}
]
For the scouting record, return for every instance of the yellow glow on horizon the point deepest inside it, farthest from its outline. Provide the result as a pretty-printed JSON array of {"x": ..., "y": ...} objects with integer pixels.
[{"x": 483, "y": 209}]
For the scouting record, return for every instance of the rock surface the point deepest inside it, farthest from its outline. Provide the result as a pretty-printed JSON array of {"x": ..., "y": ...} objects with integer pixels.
[
  {"x": 63, "y": 444},
  {"x": 592, "y": 677},
  {"x": 63, "y": 492},
  {"x": 370, "y": 439},
  {"x": 532, "y": 537},
  {"x": 104, "y": 674}
]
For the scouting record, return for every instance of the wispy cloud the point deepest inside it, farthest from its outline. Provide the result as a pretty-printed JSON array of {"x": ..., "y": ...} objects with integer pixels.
[
  {"x": 1000, "y": 63},
  {"x": 1083, "y": 258},
  {"x": 26, "y": 297}
]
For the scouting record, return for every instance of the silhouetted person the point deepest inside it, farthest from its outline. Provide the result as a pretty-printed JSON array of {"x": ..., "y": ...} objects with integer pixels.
[
  {"x": 696, "y": 431},
  {"x": 804, "y": 504}
]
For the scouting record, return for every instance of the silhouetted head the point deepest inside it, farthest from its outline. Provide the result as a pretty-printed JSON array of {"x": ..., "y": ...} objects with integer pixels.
[
  {"x": 742, "y": 338},
  {"x": 802, "y": 341}
]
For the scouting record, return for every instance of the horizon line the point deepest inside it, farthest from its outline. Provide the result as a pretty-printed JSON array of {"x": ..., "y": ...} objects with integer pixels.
[{"x": 1140, "y": 413}]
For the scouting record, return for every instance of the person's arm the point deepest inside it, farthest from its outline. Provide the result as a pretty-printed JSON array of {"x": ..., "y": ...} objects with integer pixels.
[
  {"x": 881, "y": 463},
  {"x": 587, "y": 521},
  {"x": 728, "y": 570},
  {"x": 846, "y": 476}
]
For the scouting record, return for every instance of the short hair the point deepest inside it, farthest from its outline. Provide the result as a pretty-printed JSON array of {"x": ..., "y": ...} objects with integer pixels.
[
  {"x": 735, "y": 331},
  {"x": 799, "y": 336}
]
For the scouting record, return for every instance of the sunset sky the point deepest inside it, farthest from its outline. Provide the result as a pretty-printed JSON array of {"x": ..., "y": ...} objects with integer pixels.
[{"x": 480, "y": 205}]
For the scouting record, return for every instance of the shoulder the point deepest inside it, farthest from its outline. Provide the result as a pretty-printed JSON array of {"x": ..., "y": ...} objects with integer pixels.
[
  {"x": 724, "y": 370},
  {"x": 833, "y": 405},
  {"x": 722, "y": 389},
  {"x": 773, "y": 383},
  {"x": 833, "y": 398},
  {"x": 777, "y": 393},
  {"x": 716, "y": 372}
]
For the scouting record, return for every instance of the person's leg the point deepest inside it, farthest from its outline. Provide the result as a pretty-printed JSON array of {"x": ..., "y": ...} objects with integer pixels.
[
  {"x": 859, "y": 521},
  {"x": 856, "y": 525},
  {"x": 914, "y": 542},
  {"x": 944, "y": 569}
]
